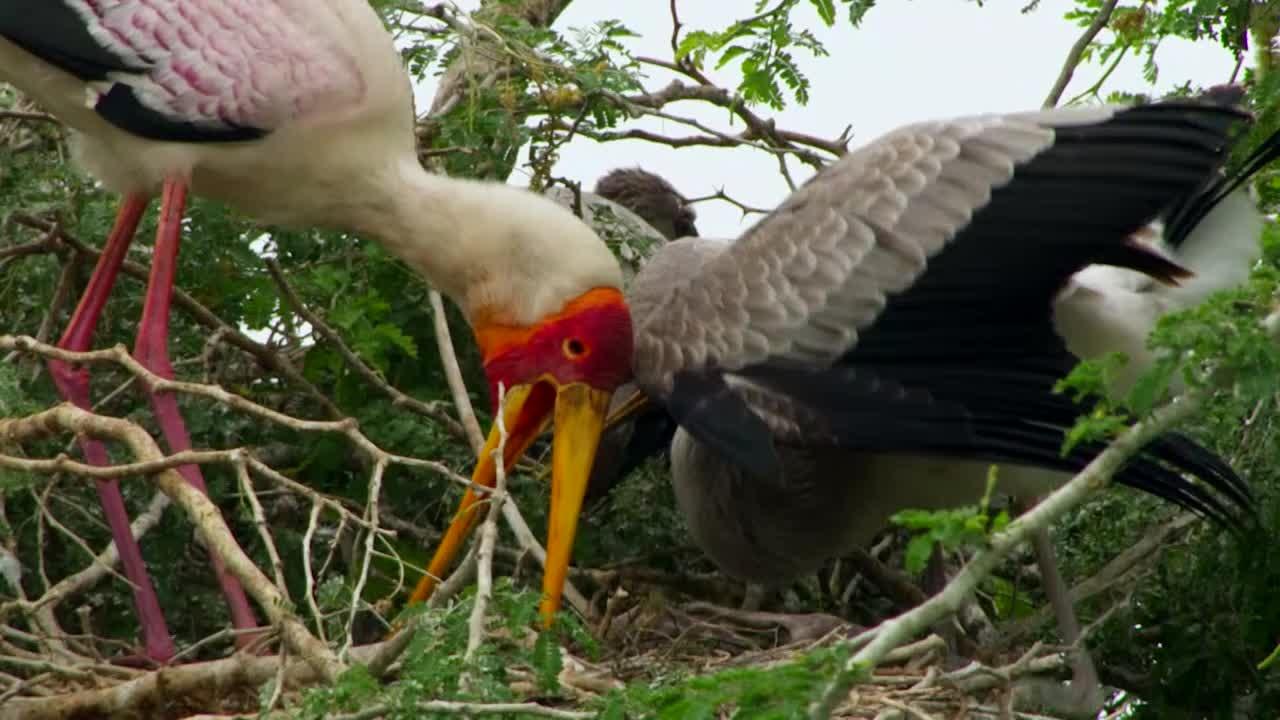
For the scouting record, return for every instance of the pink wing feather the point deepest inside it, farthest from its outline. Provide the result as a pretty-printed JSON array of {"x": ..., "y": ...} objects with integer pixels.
[{"x": 227, "y": 63}]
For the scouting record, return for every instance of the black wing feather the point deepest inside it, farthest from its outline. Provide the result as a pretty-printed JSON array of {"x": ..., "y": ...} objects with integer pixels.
[
  {"x": 121, "y": 107},
  {"x": 54, "y": 32},
  {"x": 627, "y": 445},
  {"x": 1184, "y": 218},
  {"x": 705, "y": 406}
]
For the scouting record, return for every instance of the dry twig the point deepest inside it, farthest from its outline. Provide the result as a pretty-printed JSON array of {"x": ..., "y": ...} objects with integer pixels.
[
  {"x": 202, "y": 512},
  {"x": 453, "y": 374},
  {"x": 1077, "y": 51},
  {"x": 488, "y": 539}
]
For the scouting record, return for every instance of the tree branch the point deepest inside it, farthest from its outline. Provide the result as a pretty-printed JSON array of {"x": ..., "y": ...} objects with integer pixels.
[
  {"x": 453, "y": 374},
  {"x": 202, "y": 512},
  {"x": 1077, "y": 51},
  {"x": 121, "y": 356},
  {"x": 1096, "y": 475},
  {"x": 488, "y": 539},
  {"x": 371, "y": 376},
  {"x": 201, "y": 314},
  {"x": 131, "y": 698}
]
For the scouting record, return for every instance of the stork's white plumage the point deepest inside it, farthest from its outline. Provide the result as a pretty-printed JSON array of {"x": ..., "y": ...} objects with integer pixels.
[
  {"x": 1107, "y": 309},
  {"x": 300, "y": 113}
]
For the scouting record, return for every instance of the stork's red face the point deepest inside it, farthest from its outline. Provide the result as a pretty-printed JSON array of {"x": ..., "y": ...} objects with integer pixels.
[
  {"x": 588, "y": 342},
  {"x": 565, "y": 366}
]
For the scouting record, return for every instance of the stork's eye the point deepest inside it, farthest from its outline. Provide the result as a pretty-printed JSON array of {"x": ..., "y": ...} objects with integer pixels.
[{"x": 574, "y": 348}]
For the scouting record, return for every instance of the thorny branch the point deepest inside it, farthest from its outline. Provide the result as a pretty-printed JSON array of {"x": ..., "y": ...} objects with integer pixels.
[{"x": 721, "y": 195}]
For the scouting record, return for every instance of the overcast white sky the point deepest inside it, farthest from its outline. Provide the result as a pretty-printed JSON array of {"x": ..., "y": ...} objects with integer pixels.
[{"x": 911, "y": 60}]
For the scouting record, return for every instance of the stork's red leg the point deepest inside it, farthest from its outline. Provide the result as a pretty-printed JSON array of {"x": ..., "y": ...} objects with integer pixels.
[
  {"x": 73, "y": 384},
  {"x": 152, "y": 351}
]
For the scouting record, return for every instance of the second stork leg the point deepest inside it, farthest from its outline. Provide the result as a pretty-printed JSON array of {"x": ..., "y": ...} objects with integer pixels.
[
  {"x": 73, "y": 385},
  {"x": 1086, "y": 689},
  {"x": 152, "y": 351}
]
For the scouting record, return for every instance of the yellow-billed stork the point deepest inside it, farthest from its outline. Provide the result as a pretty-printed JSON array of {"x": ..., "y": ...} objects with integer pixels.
[{"x": 300, "y": 113}]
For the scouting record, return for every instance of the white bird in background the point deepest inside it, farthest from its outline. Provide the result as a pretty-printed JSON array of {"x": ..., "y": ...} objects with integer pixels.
[{"x": 300, "y": 113}]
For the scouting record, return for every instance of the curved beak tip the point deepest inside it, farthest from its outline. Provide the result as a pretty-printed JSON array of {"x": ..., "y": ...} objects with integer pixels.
[
  {"x": 580, "y": 413},
  {"x": 579, "y": 416}
]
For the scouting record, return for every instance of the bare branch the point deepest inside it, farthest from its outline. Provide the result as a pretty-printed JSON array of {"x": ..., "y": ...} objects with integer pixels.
[
  {"x": 1121, "y": 571},
  {"x": 488, "y": 539},
  {"x": 202, "y": 512},
  {"x": 61, "y": 295},
  {"x": 471, "y": 709},
  {"x": 758, "y": 127},
  {"x": 121, "y": 356},
  {"x": 720, "y": 97},
  {"x": 675, "y": 29},
  {"x": 201, "y": 314},
  {"x": 48, "y": 244},
  {"x": 1096, "y": 475},
  {"x": 722, "y": 196},
  {"x": 529, "y": 543},
  {"x": 122, "y": 700},
  {"x": 313, "y": 522},
  {"x": 264, "y": 531},
  {"x": 453, "y": 374},
  {"x": 34, "y": 116},
  {"x": 371, "y": 517},
  {"x": 1077, "y": 51}
]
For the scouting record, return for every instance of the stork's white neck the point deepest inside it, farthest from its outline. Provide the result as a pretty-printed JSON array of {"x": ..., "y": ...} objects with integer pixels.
[{"x": 494, "y": 249}]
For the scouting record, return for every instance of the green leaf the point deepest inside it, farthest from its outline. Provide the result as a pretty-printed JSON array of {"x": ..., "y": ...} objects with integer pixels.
[
  {"x": 730, "y": 54},
  {"x": 1152, "y": 387},
  {"x": 547, "y": 662},
  {"x": 826, "y": 11},
  {"x": 919, "y": 548},
  {"x": 858, "y": 9},
  {"x": 1009, "y": 603},
  {"x": 1270, "y": 659}
]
